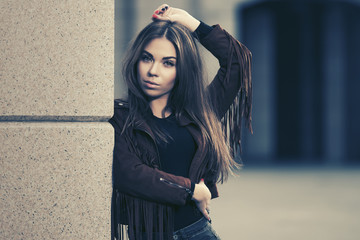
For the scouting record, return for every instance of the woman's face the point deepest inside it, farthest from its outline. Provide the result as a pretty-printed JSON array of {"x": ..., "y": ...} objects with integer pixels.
[{"x": 157, "y": 68}]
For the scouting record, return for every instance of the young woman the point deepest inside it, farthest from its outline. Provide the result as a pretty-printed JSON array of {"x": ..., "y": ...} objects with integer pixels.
[{"x": 170, "y": 148}]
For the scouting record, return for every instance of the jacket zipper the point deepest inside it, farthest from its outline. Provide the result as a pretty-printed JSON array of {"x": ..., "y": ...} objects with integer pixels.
[
  {"x": 160, "y": 167},
  {"x": 176, "y": 185},
  {"x": 162, "y": 179}
]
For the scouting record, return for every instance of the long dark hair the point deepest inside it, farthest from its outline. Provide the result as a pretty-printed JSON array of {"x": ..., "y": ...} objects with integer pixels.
[{"x": 187, "y": 97}]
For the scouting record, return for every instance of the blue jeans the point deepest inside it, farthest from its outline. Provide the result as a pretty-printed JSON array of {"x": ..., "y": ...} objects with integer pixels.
[{"x": 200, "y": 230}]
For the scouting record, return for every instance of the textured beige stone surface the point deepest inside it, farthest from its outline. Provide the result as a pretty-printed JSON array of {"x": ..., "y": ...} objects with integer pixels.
[
  {"x": 57, "y": 58},
  {"x": 55, "y": 180}
]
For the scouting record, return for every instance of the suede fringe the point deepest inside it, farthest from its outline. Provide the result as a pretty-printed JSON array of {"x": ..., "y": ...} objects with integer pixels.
[
  {"x": 140, "y": 219},
  {"x": 242, "y": 105}
]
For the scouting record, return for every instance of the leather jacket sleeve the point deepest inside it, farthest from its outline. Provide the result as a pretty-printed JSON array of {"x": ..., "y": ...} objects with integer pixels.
[
  {"x": 233, "y": 58},
  {"x": 135, "y": 178},
  {"x": 234, "y": 74}
]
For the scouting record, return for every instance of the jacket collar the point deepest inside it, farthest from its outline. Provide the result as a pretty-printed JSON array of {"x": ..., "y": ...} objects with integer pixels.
[{"x": 185, "y": 120}]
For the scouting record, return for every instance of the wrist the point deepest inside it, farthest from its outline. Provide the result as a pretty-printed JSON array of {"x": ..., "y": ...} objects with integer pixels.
[
  {"x": 193, "y": 195},
  {"x": 192, "y": 24},
  {"x": 192, "y": 189},
  {"x": 197, "y": 192},
  {"x": 187, "y": 20}
]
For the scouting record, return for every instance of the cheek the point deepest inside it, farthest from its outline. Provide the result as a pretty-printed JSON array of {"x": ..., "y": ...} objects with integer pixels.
[
  {"x": 171, "y": 76},
  {"x": 141, "y": 69}
]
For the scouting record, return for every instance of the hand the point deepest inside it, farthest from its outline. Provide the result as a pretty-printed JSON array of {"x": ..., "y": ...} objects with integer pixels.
[
  {"x": 202, "y": 197},
  {"x": 167, "y": 13}
]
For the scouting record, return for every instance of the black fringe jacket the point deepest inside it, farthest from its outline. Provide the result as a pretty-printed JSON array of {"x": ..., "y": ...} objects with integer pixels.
[{"x": 143, "y": 195}]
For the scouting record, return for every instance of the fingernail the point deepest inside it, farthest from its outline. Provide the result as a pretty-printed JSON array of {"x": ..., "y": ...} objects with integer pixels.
[
  {"x": 209, "y": 220},
  {"x": 154, "y": 16},
  {"x": 163, "y": 9},
  {"x": 166, "y": 7},
  {"x": 157, "y": 12},
  {"x": 202, "y": 179}
]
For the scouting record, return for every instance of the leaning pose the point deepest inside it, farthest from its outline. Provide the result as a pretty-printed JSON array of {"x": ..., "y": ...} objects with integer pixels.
[{"x": 175, "y": 135}]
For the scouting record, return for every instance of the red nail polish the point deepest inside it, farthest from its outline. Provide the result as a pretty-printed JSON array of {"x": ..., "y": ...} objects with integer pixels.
[
  {"x": 157, "y": 12},
  {"x": 154, "y": 15}
]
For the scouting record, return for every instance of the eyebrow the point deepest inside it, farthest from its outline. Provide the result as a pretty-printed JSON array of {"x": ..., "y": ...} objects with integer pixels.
[{"x": 164, "y": 58}]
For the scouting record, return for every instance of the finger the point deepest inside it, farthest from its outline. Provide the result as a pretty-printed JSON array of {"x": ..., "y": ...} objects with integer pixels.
[
  {"x": 160, "y": 17},
  {"x": 159, "y": 14},
  {"x": 155, "y": 15},
  {"x": 208, "y": 207},
  {"x": 205, "y": 212},
  {"x": 208, "y": 210},
  {"x": 206, "y": 215},
  {"x": 164, "y": 7}
]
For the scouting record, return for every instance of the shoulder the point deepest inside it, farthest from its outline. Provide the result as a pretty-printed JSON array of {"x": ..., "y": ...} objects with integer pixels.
[
  {"x": 121, "y": 107},
  {"x": 121, "y": 104},
  {"x": 121, "y": 112}
]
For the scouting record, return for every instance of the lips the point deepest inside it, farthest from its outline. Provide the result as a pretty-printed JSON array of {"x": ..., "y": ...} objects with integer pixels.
[{"x": 150, "y": 84}]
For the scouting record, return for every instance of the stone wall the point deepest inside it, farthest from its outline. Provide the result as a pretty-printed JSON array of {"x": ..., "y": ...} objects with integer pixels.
[{"x": 56, "y": 95}]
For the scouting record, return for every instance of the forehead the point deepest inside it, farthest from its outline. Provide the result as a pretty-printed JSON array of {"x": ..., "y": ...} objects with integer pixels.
[{"x": 161, "y": 47}]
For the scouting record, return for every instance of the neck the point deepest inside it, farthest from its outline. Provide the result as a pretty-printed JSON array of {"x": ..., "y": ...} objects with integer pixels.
[{"x": 158, "y": 107}]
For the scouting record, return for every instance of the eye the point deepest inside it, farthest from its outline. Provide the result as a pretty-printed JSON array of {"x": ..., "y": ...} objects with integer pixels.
[
  {"x": 169, "y": 63},
  {"x": 145, "y": 58}
]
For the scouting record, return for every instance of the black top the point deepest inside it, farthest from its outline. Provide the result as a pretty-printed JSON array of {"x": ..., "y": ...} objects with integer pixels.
[{"x": 176, "y": 155}]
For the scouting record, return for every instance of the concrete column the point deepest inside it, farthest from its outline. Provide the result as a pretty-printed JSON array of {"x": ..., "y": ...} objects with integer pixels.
[{"x": 56, "y": 95}]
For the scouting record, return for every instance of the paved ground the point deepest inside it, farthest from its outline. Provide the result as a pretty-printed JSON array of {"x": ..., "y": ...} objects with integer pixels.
[{"x": 289, "y": 203}]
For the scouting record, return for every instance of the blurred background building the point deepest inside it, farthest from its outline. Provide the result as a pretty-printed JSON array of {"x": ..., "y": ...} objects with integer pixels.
[{"x": 305, "y": 72}]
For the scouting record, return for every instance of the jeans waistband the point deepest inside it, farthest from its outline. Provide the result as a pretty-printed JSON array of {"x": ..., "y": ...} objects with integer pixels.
[{"x": 192, "y": 228}]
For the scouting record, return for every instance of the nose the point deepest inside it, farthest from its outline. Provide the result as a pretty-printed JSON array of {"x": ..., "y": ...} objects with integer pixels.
[{"x": 153, "y": 70}]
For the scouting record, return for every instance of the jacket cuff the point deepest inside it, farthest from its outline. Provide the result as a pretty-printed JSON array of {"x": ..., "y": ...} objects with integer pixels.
[
  {"x": 192, "y": 192},
  {"x": 202, "y": 30}
]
